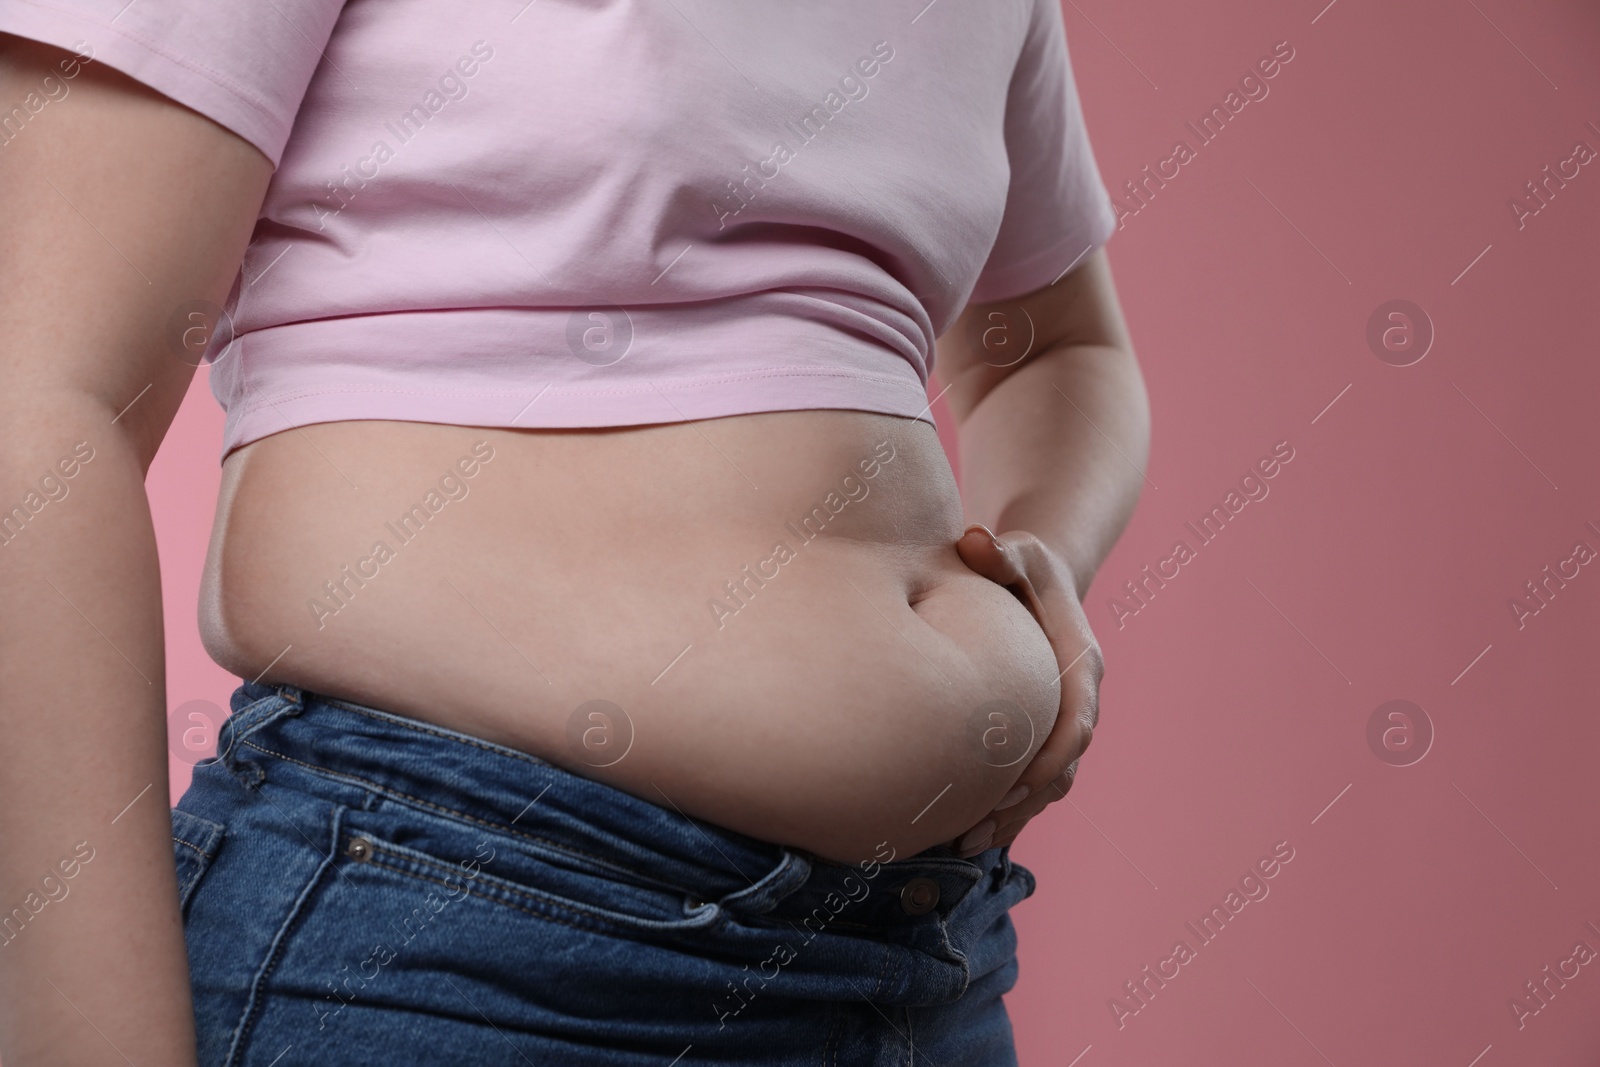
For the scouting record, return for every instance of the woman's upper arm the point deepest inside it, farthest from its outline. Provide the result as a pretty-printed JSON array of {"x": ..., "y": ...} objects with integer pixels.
[
  {"x": 124, "y": 211},
  {"x": 989, "y": 341}
]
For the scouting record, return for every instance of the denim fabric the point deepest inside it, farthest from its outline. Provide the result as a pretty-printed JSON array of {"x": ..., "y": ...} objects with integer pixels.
[{"x": 363, "y": 888}]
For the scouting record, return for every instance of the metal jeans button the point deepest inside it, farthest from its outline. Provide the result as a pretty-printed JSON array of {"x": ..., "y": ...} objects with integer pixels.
[{"x": 919, "y": 896}]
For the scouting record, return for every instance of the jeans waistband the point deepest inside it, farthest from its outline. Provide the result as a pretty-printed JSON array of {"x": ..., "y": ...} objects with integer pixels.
[{"x": 351, "y": 751}]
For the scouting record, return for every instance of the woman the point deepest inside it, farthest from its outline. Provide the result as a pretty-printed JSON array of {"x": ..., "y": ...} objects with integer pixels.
[{"x": 624, "y": 680}]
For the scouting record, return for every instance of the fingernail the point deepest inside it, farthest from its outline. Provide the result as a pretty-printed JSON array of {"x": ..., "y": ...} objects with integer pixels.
[
  {"x": 977, "y": 838},
  {"x": 987, "y": 532},
  {"x": 1017, "y": 794}
]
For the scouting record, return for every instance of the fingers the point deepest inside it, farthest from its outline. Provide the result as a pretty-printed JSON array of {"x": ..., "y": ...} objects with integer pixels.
[
  {"x": 1079, "y": 711},
  {"x": 1002, "y": 826},
  {"x": 1038, "y": 577},
  {"x": 980, "y": 550},
  {"x": 1047, "y": 779},
  {"x": 1010, "y": 822},
  {"x": 1043, "y": 581}
]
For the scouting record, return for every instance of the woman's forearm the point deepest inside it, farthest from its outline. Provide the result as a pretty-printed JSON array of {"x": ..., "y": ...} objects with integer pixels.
[
  {"x": 1058, "y": 448},
  {"x": 92, "y": 964},
  {"x": 1053, "y": 454}
]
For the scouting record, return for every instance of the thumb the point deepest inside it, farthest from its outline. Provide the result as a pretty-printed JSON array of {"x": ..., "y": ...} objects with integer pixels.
[
  {"x": 983, "y": 553},
  {"x": 981, "y": 550}
]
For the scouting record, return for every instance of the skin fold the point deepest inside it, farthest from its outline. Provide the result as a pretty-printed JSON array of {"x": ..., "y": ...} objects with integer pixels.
[{"x": 838, "y": 702}]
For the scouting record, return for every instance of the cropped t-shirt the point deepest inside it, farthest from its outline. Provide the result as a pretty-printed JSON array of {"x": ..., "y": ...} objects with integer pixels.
[{"x": 569, "y": 213}]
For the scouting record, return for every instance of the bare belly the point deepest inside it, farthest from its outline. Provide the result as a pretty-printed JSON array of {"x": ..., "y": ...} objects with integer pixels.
[{"x": 761, "y": 620}]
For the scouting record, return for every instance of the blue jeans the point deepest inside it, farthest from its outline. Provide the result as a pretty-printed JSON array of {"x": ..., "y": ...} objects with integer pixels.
[{"x": 363, "y": 888}]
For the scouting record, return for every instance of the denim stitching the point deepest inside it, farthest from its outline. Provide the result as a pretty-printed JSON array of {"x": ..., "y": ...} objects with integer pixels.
[
  {"x": 252, "y": 708},
  {"x": 441, "y": 809},
  {"x": 554, "y": 902},
  {"x": 877, "y": 990},
  {"x": 275, "y": 951},
  {"x": 503, "y": 903}
]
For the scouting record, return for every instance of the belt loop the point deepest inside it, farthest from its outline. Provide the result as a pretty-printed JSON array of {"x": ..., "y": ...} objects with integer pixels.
[
  {"x": 790, "y": 874},
  {"x": 286, "y": 700}
]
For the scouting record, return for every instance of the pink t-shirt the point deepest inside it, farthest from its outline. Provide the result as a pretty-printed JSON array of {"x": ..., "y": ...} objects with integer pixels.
[{"x": 563, "y": 213}]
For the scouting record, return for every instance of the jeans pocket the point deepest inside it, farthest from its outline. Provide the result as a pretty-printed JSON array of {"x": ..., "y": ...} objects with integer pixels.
[
  {"x": 523, "y": 872},
  {"x": 195, "y": 842}
]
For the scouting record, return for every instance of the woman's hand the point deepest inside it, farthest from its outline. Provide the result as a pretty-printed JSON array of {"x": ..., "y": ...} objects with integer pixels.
[{"x": 1042, "y": 580}]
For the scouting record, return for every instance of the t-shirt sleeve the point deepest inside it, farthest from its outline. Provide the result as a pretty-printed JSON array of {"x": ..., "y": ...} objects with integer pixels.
[
  {"x": 244, "y": 64},
  {"x": 1057, "y": 209}
]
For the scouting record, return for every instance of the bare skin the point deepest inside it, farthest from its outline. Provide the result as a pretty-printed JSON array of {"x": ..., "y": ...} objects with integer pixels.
[
  {"x": 838, "y": 703},
  {"x": 848, "y": 700},
  {"x": 102, "y": 974}
]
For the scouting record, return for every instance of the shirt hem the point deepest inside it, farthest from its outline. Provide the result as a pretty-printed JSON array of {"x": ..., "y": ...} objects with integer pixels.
[
  {"x": 147, "y": 62},
  {"x": 577, "y": 408}
]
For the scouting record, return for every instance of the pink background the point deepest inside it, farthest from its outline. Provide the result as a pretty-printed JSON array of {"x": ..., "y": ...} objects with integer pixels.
[{"x": 1235, "y": 709}]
